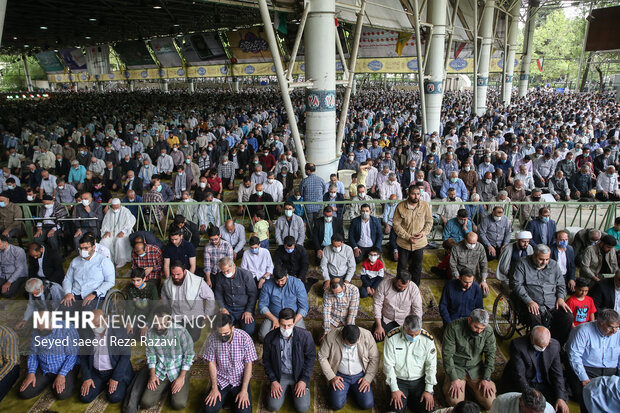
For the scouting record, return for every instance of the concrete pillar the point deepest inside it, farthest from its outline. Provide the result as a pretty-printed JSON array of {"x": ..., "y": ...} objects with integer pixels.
[
  {"x": 2, "y": 13},
  {"x": 320, "y": 61},
  {"x": 132, "y": 85},
  {"x": 528, "y": 44},
  {"x": 192, "y": 86},
  {"x": 433, "y": 86},
  {"x": 236, "y": 85},
  {"x": 354, "y": 86},
  {"x": 513, "y": 36},
  {"x": 99, "y": 87},
  {"x": 164, "y": 85},
  {"x": 486, "y": 32},
  {"x": 27, "y": 73}
]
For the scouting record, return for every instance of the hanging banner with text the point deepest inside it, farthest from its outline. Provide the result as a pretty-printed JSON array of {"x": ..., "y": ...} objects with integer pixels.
[
  {"x": 50, "y": 62},
  {"x": 74, "y": 59},
  {"x": 249, "y": 45},
  {"x": 166, "y": 52}
]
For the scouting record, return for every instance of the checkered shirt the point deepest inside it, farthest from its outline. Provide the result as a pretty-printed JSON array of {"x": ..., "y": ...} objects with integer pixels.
[
  {"x": 213, "y": 254},
  {"x": 169, "y": 360},
  {"x": 230, "y": 358},
  {"x": 153, "y": 258},
  {"x": 340, "y": 311},
  {"x": 53, "y": 359}
]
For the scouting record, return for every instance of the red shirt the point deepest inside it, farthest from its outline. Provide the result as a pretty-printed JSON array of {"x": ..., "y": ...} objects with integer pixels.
[
  {"x": 215, "y": 184},
  {"x": 581, "y": 309}
]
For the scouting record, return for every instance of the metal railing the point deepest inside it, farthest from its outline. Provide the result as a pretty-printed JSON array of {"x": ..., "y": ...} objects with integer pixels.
[{"x": 599, "y": 215}]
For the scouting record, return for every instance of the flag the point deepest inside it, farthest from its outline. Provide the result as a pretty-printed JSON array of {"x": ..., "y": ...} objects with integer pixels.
[
  {"x": 280, "y": 22},
  {"x": 458, "y": 48},
  {"x": 403, "y": 38},
  {"x": 541, "y": 63}
]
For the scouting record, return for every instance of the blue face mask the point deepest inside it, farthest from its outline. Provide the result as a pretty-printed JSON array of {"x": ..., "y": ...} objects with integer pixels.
[
  {"x": 412, "y": 339},
  {"x": 2, "y": 205},
  {"x": 562, "y": 244},
  {"x": 289, "y": 250},
  {"x": 545, "y": 219},
  {"x": 340, "y": 294},
  {"x": 254, "y": 250},
  {"x": 159, "y": 188}
]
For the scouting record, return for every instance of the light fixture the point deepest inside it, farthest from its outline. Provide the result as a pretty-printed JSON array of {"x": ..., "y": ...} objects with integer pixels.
[
  {"x": 14, "y": 38},
  {"x": 92, "y": 20},
  {"x": 43, "y": 27},
  {"x": 26, "y": 45},
  {"x": 157, "y": 7},
  {"x": 87, "y": 37},
  {"x": 176, "y": 25}
]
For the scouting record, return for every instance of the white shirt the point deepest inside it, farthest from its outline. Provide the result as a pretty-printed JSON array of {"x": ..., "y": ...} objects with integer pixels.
[
  {"x": 365, "y": 239},
  {"x": 350, "y": 363},
  {"x": 617, "y": 304},
  {"x": 562, "y": 260}
]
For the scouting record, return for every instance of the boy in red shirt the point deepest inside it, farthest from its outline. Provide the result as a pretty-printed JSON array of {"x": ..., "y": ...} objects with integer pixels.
[
  {"x": 371, "y": 273},
  {"x": 581, "y": 304}
]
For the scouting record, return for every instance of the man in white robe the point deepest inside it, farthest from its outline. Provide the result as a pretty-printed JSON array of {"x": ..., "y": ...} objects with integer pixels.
[{"x": 117, "y": 224}]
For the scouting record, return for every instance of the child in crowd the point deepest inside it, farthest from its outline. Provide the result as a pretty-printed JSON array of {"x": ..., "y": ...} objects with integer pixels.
[
  {"x": 581, "y": 304},
  {"x": 353, "y": 186},
  {"x": 142, "y": 297},
  {"x": 261, "y": 228},
  {"x": 372, "y": 273}
]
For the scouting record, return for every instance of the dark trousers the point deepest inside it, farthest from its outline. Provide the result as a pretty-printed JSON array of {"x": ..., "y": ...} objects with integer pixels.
[
  {"x": 369, "y": 282},
  {"x": 338, "y": 398},
  {"x": 229, "y": 394},
  {"x": 559, "y": 322},
  {"x": 575, "y": 384},
  {"x": 100, "y": 380},
  {"x": 386, "y": 327},
  {"x": 43, "y": 380},
  {"x": 236, "y": 314},
  {"x": 14, "y": 288},
  {"x": 412, "y": 390},
  {"x": 411, "y": 261},
  {"x": 363, "y": 254},
  {"x": 610, "y": 197},
  {"x": 8, "y": 381}
]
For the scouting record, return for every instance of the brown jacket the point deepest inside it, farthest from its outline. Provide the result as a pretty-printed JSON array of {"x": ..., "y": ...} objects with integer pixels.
[
  {"x": 408, "y": 222},
  {"x": 8, "y": 215},
  {"x": 470, "y": 179},
  {"x": 330, "y": 354}
]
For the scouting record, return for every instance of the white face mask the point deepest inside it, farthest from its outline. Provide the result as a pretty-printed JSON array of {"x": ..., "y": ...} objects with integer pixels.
[
  {"x": 496, "y": 218},
  {"x": 269, "y": 181},
  {"x": 470, "y": 246},
  {"x": 328, "y": 219},
  {"x": 337, "y": 249},
  {"x": 286, "y": 333},
  {"x": 61, "y": 187},
  {"x": 38, "y": 295},
  {"x": 85, "y": 202},
  {"x": 203, "y": 185},
  {"x": 84, "y": 254},
  {"x": 30, "y": 198},
  {"x": 48, "y": 206},
  {"x": 229, "y": 275},
  {"x": 365, "y": 215},
  {"x": 98, "y": 330},
  {"x": 373, "y": 258},
  {"x": 467, "y": 168},
  {"x": 537, "y": 348}
]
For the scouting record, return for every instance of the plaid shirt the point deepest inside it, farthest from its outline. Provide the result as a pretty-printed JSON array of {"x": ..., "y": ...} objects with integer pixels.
[
  {"x": 55, "y": 359},
  {"x": 169, "y": 360},
  {"x": 230, "y": 358},
  {"x": 311, "y": 189},
  {"x": 154, "y": 197},
  {"x": 9, "y": 345},
  {"x": 340, "y": 311},
  {"x": 226, "y": 171},
  {"x": 214, "y": 253},
  {"x": 153, "y": 258}
]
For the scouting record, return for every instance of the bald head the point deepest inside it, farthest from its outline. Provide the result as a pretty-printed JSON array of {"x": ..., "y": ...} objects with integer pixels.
[{"x": 540, "y": 336}]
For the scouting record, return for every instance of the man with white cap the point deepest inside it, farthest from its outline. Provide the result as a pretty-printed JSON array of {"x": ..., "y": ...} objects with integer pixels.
[
  {"x": 117, "y": 224},
  {"x": 511, "y": 254}
]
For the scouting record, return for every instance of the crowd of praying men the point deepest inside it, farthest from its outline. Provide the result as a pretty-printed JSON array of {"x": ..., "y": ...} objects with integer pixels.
[{"x": 82, "y": 164}]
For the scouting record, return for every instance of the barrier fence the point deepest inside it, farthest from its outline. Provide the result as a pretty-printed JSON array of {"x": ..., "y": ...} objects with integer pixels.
[{"x": 599, "y": 215}]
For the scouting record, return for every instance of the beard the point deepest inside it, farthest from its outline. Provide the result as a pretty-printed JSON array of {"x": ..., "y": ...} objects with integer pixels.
[{"x": 178, "y": 282}]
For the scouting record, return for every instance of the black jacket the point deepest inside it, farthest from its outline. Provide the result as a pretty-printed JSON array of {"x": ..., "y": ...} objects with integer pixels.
[
  {"x": 115, "y": 178},
  {"x": 120, "y": 356},
  {"x": 604, "y": 294},
  {"x": 52, "y": 267},
  {"x": 318, "y": 231},
  {"x": 303, "y": 354},
  {"x": 521, "y": 368},
  {"x": 62, "y": 171},
  {"x": 138, "y": 186},
  {"x": 296, "y": 263}
]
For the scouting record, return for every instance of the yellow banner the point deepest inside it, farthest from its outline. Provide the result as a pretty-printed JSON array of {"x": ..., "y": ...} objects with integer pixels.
[{"x": 364, "y": 65}]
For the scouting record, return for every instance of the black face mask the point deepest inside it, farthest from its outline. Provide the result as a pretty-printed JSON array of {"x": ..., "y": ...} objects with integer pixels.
[
  {"x": 536, "y": 198},
  {"x": 225, "y": 338},
  {"x": 44, "y": 332}
]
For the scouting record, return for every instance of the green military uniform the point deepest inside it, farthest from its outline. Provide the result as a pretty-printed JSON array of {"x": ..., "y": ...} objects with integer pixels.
[
  {"x": 410, "y": 367},
  {"x": 463, "y": 351},
  {"x": 468, "y": 358}
]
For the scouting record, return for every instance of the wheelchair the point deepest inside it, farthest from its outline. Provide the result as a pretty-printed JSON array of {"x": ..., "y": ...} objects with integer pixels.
[
  {"x": 114, "y": 302},
  {"x": 506, "y": 320}
]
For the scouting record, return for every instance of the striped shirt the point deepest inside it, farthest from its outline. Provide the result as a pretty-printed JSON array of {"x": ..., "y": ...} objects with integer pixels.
[
  {"x": 9, "y": 351},
  {"x": 214, "y": 253}
]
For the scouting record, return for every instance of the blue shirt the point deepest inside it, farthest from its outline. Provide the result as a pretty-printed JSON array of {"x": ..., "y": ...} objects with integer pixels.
[
  {"x": 456, "y": 303},
  {"x": 55, "y": 359},
  {"x": 311, "y": 189},
  {"x": 293, "y": 295},
  {"x": 454, "y": 230},
  {"x": 602, "y": 394},
  {"x": 459, "y": 186},
  {"x": 84, "y": 277},
  {"x": 587, "y": 347},
  {"x": 328, "y": 233},
  {"x": 77, "y": 175}
]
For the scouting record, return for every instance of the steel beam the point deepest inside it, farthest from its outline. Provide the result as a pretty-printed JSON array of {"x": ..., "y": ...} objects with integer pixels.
[
  {"x": 528, "y": 44},
  {"x": 509, "y": 58}
]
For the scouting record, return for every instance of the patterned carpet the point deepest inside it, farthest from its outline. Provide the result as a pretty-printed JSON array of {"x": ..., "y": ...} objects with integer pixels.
[{"x": 431, "y": 288}]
